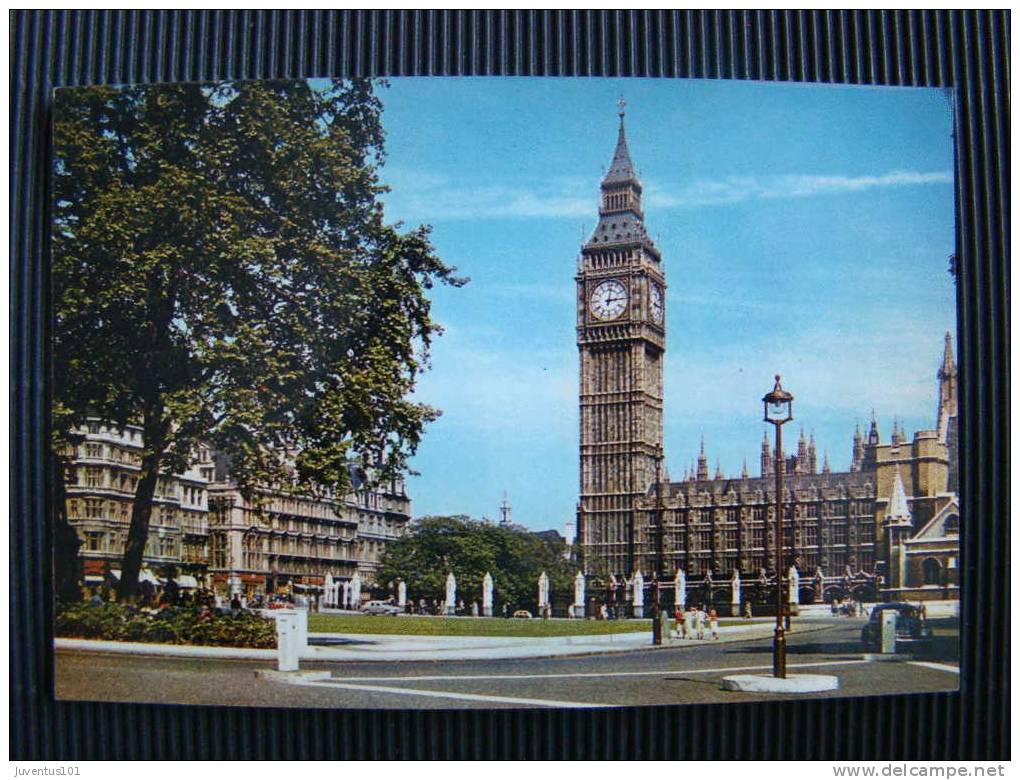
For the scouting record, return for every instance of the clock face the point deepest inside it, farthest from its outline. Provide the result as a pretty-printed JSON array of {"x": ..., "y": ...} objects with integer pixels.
[
  {"x": 657, "y": 304},
  {"x": 608, "y": 300}
]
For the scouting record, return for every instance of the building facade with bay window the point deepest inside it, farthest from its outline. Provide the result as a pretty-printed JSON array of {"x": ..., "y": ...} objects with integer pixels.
[{"x": 205, "y": 533}]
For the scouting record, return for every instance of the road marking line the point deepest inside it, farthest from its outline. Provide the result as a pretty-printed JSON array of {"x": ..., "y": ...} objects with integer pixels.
[
  {"x": 655, "y": 673},
  {"x": 451, "y": 695},
  {"x": 937, "y": 666}
]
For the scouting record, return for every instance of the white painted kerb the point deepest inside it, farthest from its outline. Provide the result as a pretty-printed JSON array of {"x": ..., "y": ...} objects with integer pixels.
[{"x": 794, "y": 683}]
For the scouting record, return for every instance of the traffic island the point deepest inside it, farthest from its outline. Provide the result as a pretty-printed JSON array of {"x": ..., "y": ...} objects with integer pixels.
[
  {"x": 888, "y": 657},
  {"x": 296, "y": 676},
  {"x": 794, "y": 683}
]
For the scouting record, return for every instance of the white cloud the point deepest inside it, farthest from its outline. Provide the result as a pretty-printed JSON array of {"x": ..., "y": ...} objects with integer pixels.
[
  {"x": 736, "y": 189},
  {"x": 422, "y": 195},
  {"x": 425, "y": 196}
]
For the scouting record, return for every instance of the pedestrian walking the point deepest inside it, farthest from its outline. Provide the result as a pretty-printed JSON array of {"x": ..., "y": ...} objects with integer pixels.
[
  {"x": 713, "y": 623},
  {"x": 747, "y": 610},
  {"x": 689, "y": 617},
  {"x": 699, "y": 622}
]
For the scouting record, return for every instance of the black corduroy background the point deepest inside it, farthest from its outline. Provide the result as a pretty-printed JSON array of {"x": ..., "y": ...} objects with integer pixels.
[{"x": 968, "y": 51}]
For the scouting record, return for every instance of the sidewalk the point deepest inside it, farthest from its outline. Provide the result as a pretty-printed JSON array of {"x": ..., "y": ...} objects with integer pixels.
[{"x": 332, "y": 648}]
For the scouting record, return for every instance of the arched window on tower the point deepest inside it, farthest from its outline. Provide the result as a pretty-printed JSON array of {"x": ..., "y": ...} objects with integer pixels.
[
  {"x": 953, "y": 524},
  {"x": 932, "y": 571}
]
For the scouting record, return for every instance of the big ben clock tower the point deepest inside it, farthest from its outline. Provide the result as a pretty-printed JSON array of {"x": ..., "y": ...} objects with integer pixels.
[{"x": 621, "y": 331}]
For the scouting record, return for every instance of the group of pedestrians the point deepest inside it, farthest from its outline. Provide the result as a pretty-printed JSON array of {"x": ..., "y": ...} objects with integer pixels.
[{"x": 690, "y": 624}]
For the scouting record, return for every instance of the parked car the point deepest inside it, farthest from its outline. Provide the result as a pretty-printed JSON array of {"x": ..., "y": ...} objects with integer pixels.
[
  {"x": 910, "y": 626},
  {"x": 522, "y": 613},
  {"x": 380, "y": 608}
]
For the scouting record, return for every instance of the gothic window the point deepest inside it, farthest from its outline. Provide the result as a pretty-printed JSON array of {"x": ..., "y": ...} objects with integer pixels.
[
  {"x": 839, "y": 534},
  {"x": 953, "y": 524},
  {"x": 758, "y": 537},
  {"x": 218, "y": 545},
  {"x": 932, "y": 571}
]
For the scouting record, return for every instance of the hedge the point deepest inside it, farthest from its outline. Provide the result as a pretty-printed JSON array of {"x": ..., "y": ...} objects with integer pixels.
[{"x": 171, "y": 625}]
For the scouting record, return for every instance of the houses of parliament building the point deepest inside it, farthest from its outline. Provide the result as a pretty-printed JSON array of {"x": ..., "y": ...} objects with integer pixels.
[{"x": 888, "y": 527}]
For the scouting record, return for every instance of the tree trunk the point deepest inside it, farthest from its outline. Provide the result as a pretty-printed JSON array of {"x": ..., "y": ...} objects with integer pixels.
[
  {"x": 154, "y": 437},
  {"x": 66, "y": 563}
]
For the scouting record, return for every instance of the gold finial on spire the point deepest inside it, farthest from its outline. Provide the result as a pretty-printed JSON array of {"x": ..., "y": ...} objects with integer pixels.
[{"x": 622, "y": 107}]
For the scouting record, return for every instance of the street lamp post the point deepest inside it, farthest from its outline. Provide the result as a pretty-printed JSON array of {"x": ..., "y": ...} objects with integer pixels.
[
  {"x": 778, "y": 411},
  {"x": 657, "y": 542}
]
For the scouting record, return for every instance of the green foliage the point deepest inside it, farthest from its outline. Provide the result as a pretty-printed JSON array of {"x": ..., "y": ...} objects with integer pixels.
[
  {"x": 513, "y": 556},
  {"x": 222, "y": 272},
  {"x": 175, "y": 626}
]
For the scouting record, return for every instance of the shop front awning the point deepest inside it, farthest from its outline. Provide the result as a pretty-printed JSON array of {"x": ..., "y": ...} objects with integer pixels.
[{"x": 143, "y": 576}]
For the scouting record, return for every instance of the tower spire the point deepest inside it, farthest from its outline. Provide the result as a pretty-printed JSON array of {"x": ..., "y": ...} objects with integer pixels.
[
  {"x": 857, "y": 456},
  {"x": 898, "y": 509},
  {"x": 766, "y": 455},
  {"x": 621, "y": 169},
  {"x": 947, "y": 376}
]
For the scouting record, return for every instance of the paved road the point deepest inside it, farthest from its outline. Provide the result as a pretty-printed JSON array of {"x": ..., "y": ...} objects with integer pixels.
[{"x": 659, "y": 676}]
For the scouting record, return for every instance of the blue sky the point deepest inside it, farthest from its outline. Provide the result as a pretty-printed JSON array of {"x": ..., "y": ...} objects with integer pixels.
[{"x": 804, "y": 230}]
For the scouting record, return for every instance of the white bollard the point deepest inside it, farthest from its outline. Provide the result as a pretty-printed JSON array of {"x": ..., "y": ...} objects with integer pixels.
[
  {"x": 286, "y": 640},
  {"x": 889, "y": 630},
  {"x": 301, "y": 618}
]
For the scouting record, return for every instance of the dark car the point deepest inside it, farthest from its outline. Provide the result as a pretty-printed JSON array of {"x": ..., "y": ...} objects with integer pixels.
[{"x": 910, "y": 626}]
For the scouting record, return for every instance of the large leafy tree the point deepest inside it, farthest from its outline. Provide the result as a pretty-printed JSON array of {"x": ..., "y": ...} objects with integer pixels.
[
  {"x": 222, "y": 272},
  {"x": 514, "y": 557}
]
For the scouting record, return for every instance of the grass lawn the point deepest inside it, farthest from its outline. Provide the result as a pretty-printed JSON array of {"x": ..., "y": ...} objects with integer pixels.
[{"x": 441, "y": 626}]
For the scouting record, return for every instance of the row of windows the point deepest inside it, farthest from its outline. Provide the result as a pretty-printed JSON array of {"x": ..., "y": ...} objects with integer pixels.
[
  {"x": 702, "y": 540},
  {"x": 97, "y": 451},
  {"x": 759, "y": 513},
  {"x": 114, "y": 542},
  {"x": 120, "y": 511}
]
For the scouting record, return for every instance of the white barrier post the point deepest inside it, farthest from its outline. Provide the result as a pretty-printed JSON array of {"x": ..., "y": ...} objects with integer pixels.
[
  {"x": 301, "y": 619},
  {"x": 889, "y": 630},
  {"x": 286, "y": 640}
]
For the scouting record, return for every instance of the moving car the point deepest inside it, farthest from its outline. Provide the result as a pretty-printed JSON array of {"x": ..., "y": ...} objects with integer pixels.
[
  {"x": 380, "y": 608},
  {"x": 522, "y": 613},
  {"x": 910, "y": 626}
]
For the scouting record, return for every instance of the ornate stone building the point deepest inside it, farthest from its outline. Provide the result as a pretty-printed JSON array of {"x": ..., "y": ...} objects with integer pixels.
[
  {"x": 100, "y": 490},
  {"x": 204, "y": 529},
  {"x": 295, "y": 540},
  {"x": 858, "y": 530},
  {"x": 621, "y": 341}
]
